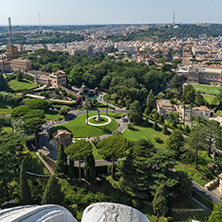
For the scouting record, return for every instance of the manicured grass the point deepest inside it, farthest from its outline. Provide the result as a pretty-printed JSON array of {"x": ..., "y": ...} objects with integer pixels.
[
  {"x": 211, "y": 99},
  {"x": 208, "y": 92},
  {"x": 206, "y": 87},
  {"x": 7, "y": 129},
  {"x": 145, "y": 133},
  {"x": 104, "y": 120},
  {"x": 200, "y": 175},
  {"x": 53, "y": 115},
  {"x": 80, "y": 129},
  {"x": 219, "y": 112},
  {"x": 34, "y": 165},
  {"x": 21, "y": 85},
  {"x": 5, "y": 107},
  {"x": 182, "y": 217}
]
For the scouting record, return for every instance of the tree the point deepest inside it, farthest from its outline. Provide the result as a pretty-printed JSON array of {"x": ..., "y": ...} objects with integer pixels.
[
  {"x": 19, "y": 75},
  {"x": 161, "y": 119},
  {"x": 3, "y": 83},
  {"x": 160, "y": 203},
  {"x": 175, "y": 143},
  {"x": 164, "y": 129},
  {"x": 35, "y": 113},
  {"x": 150, "y": 101},
  {"x": 216, "y": 215},
  {"x": 135, "y": 113},
  {"x": 176, "y": 81},
  {"x": 195, "y": 142},
  {"x": 113, "y": 147},
  {"x": 199, "y": 100},
  {"x": 20, "y": 111},
  {"x": 24, "y": 188},
  {"x": 89, "y": 168},
  {"x": 155, "y": 126},
  {"x": 212, "y": 131},
  {"x": 87, "y": 106},
  {"x": 64, "y": 110},
  {"x": 61, "y": 163},
  {"x": 71, "y": 169},
  {"x": 53, "y": 193},
  {"x": 79, "y": 151},
  {"x": 34, "y": 124}
]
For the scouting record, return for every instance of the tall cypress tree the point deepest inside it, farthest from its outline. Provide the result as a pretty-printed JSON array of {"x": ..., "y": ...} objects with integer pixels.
[
  {"x": 25, "y": 196},
  {"x": 53, "y": 193},
  {"x": 90, "y": 169},
  {"x": 61, "y": 163},
  {"x": 71, "y": 169}
]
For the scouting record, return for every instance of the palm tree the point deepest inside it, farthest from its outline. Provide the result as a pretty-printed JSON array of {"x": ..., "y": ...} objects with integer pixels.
[{"x": 87, "y": 106}]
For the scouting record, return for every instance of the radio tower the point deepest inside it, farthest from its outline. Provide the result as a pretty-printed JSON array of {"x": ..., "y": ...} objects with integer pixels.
[
  {"x": 10, "y": 30},
  {"x": 174, "y": 18},
  {"x": 39, "y": 23}
]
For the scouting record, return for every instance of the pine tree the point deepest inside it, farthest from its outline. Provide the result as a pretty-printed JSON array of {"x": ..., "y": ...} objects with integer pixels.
[
  {"x": 25, "y": 196},
  {"x": 52, "y": 193},
  {"x": 61, "y": 163},
  {"x": 89, "y": 169},
  {"x": 71, "y": 169},
  {"x": 160, "y": 205}
]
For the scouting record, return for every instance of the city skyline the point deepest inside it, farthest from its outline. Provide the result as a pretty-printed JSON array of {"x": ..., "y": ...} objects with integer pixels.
[{"x": 25, "y": 12}]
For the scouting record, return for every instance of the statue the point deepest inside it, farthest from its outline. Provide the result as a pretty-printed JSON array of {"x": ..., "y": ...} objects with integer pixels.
[{"x": 98, "y": 118}]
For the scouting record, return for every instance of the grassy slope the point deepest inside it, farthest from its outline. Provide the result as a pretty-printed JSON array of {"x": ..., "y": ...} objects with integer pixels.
[
  {"x": 80, "y": 129},
  {"x": 5, "y": 107},
  {"x": 145, "y": 133},
  {"x": 36, "y": 166},
  {"x": 21, "y": 85},
  {"x": 208, "y": 92},
  {"x": 206, "y": 87},
  {"x": 52, "y": 115},
  {"x": 210, "y": 99}
]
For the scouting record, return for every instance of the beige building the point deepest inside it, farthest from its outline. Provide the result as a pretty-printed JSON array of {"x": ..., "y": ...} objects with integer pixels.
[
  {"x": 62, "y": 137},
  {"x": 55, "y": 79},
  {"x": 205, "y": 75},
  {"x": 185, "y": 112},
  {"x": 12, "y": 62},
  {"x": 58, "y": 78}
]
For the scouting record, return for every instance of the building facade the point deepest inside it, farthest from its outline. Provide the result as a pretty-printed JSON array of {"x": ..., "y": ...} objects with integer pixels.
[{"x": 63, "y": 137}]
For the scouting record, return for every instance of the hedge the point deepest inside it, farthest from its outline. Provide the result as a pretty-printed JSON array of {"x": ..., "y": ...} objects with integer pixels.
[{"x": 203, "y": 200}]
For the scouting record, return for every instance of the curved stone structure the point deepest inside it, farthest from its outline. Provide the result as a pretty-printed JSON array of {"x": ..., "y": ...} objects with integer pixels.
[
  {"x": 44, "y": 213},
  {"x": 112, "y": 212}
]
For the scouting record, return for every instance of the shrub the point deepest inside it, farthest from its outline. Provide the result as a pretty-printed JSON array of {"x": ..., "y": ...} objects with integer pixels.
[
  {"x": 131, "y": 126},
  {"x": 170, "y": 219},
  {"x": 158, "y": 140},
  {"x": 155, "y": 126}
]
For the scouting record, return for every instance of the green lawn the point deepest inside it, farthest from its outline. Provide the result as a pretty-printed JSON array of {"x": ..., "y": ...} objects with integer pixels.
[
  {"x": 145, "y": 133},
  {"x": 182, "y": 217},
  {"x": 219, "y": 112},
  {"x": 53, "y": 115},
  {"x": 35, "y": 165},
  {"x": 206, "y": 87},
  {"x": 208, "y": 92},
  {"x": 21, "y": 85},
  {"x": 210, "y": 99},
  {"x": 80, "y": 129},
  {"x": 7, "y": 129},
  {"x": 5, "y": 107},
  {"x": 200, "y": 175}
]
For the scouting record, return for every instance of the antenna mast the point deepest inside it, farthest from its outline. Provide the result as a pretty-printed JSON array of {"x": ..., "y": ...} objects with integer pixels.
[
  {"x": 174, "y": 18},
  {"x": 39, "y": 23},
  {"x": 10, "y": 30}
]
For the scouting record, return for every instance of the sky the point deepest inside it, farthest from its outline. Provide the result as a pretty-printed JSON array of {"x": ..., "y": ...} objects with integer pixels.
[{"x": 82, "y": 12}]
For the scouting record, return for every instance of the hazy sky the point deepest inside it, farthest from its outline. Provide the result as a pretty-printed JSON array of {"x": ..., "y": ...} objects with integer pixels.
[{"x": 53, "y": 12}]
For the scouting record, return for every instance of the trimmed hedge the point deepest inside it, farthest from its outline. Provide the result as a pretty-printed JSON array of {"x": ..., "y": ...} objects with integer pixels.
[{"x": 203, "y": 200}]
